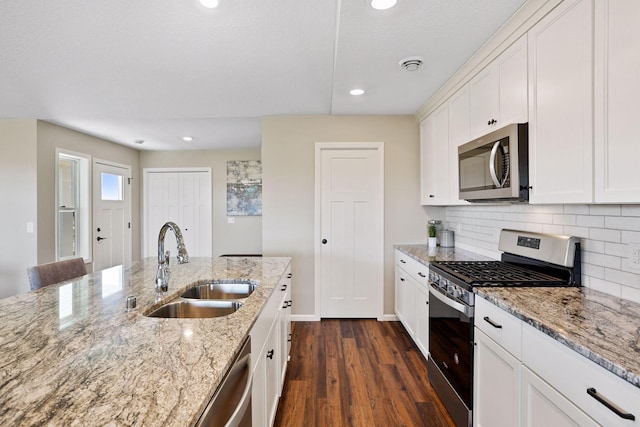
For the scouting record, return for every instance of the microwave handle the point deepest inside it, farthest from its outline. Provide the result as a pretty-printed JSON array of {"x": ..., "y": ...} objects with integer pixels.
[{"x": 499, "y": 183}]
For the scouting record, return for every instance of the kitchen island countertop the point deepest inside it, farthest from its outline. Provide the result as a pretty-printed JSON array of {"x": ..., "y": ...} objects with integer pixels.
[
  {"x": 599, "y": 326},
  {"x": 71, "y": 355}
]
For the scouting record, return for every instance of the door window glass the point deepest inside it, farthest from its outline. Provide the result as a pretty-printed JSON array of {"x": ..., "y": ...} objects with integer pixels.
[{"x": 112, "y": 187}]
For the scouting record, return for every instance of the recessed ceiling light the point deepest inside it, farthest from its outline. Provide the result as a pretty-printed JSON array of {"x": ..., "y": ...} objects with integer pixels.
[
  {"x": 211, "y": 4},
  {"x": 356, "y": 92},
  {"x": 187, "y": 138},
  {"x": 382, "y": 4}
]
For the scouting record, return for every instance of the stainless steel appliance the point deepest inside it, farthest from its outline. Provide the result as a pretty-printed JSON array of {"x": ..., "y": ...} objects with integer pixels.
[
  {"x": 528, "y": 259},
  {"x": 230, "y": 406},
  {"x": 495, "y": 167}
]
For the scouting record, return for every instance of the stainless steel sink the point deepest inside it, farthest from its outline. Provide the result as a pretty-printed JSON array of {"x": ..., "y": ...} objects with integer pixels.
[
  {"x": 222, "y": 289},
  {"x": 196, "y": 309}
]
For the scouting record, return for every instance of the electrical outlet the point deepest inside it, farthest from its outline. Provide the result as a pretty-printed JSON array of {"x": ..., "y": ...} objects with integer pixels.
[
  {"x": 231, "y": 220},
  {"x": 634, "y": 255}
]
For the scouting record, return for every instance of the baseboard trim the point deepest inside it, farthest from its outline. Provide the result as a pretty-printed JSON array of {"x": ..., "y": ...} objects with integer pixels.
[{"x": 304, "y": 318}]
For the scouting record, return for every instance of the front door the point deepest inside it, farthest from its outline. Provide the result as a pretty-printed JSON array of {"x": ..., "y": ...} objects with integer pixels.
[
  {"x": 111, "y": 215},
  {"x": 350, "y": 246}
]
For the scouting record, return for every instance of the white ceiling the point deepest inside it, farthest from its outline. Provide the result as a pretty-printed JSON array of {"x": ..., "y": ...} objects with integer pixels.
[{"x": 160, "y": 69}]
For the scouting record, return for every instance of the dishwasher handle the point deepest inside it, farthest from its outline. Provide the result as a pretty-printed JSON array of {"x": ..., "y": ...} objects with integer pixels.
[{"x": 245, "y": 402}]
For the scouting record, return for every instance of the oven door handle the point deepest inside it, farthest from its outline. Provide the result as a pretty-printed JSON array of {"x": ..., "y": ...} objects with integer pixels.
[{"x": 457, "y": 306}]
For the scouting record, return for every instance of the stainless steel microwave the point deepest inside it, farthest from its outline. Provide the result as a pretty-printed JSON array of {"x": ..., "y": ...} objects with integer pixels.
[{"x": 495, "y": 168}]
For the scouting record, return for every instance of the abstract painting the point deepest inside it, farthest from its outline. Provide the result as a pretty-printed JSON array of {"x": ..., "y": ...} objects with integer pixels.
[{"x": 244, "y": 188}]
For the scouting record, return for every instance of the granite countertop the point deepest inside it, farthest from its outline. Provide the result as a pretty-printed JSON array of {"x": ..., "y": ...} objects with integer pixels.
[
  {"x": 71, "y": 355},
  {"x": 601, "y": 327}
]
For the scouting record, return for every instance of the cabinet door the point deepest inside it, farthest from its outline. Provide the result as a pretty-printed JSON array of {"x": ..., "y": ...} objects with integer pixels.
[
  {"x": 498, "y": 94},
  {"x": 405, "y": 300},
  {"x": 484, "y": 108},
  {"x": 512, "y": 84},
  {"x": 422, "y": 320},
  {"x": 543, "y": 406},
  {"x": 272, "y": 378},
  {"x": 458, "y": 135},
  {"x": 496, "y": 384},
  {"x": 258, "y": 391},
  {"x": 434, "y": 157},
  {"x": 617, "y": 90},
  {"x": 561, "y": 105}
]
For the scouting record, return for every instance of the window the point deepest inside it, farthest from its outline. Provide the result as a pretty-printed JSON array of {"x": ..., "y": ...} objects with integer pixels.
[{"x": 72, "y": 204}]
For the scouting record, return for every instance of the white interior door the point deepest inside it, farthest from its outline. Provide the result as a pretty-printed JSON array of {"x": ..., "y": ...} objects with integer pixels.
[
  {"x": 111, "y": 215},
  {"x": 181, "y": 196},
  {"x": 350, "y": 188}
]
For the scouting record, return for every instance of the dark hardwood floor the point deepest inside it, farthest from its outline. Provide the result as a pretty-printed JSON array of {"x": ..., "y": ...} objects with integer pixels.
[{"x": 357, "y": 373}]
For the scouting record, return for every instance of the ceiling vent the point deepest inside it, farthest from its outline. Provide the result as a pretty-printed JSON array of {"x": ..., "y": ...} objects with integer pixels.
[{"x": 411, "y": 63}]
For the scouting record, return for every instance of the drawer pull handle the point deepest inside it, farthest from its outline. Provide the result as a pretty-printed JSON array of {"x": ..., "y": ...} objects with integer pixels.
[
  {"x": 421, "y": 274},
  {"x": 492, "y": 323},
  {"x": 612, "y": 406}
]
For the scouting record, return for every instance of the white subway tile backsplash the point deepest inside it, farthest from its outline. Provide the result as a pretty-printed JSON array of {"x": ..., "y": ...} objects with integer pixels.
[
  {"x": 590, "y": 221},
  {"x": 623, "y": 223},
  {"x": 609, "y": 210},
  {"x": 564, "y": 219},
  {"x": 604, "y": 234},
  {"x": 605, "y": 231}
]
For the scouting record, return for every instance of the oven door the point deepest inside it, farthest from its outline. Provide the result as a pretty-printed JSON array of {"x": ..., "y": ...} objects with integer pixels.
[{"x": 451, "y": 341}]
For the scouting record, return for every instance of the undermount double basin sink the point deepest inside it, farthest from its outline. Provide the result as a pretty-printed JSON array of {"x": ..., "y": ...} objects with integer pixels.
[{"x": 214, "y": 299}]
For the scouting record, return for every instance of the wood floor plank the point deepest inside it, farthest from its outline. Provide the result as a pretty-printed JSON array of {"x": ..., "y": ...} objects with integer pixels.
[{"x": 346, "y": 372}]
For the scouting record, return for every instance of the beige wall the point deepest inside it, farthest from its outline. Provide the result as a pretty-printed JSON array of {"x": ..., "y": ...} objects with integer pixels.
[
  {"x": 18, "y": 168},
  {"x": 245, "y": 235},
  {"x": 50, "y": 137},
  {"x": 288, "y": 190}
]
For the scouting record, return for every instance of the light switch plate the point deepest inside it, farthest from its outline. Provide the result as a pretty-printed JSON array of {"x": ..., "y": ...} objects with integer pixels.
[{"x": 231, "y": 220}]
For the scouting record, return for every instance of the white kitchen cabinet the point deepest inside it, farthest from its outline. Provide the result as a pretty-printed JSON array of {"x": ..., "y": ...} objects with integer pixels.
[
  {"x": 573, "y": 376},
  {"x": 458, "y": 135},
  {"x": 497, "y": 352},
  {"x": 422, "y": 319},
  {"x": 617, "y": 90},
  {"x": 434, "y": 157},
  {"x": 270, "y": 353},
  {"x": 561, "y": 105},
  {"x": 498, "y": 94},
  {"x": 496, "y": 384},
  {"x": 412, "y": 299},
  {"x": 284, "y": 321},
  {"x": 543, "y": 406},
  {"x": 405, "y": 300}
]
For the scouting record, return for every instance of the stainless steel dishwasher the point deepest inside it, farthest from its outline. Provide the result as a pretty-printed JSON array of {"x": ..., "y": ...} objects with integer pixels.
[{"x": 230, "y": 406}]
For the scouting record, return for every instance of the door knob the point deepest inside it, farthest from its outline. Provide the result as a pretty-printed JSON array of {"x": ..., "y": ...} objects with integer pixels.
[
  {"x": 324, "y": 241},
  {"x": 101, "y": 238}
]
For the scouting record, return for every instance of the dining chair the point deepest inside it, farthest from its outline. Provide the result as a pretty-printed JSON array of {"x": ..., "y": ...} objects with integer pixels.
[{"x": 55, "y": 272}]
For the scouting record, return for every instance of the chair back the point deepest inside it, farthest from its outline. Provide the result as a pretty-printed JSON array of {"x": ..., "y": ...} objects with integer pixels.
[{"x": 55, "y": 272}]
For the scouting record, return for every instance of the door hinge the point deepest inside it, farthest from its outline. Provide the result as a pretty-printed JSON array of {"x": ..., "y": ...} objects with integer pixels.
[
  {"x": 129, "y": 181},
  {"x": 129, "y": 224}
]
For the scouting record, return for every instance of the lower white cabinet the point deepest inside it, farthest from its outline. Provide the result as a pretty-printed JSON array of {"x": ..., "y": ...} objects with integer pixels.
[
  {"x": 543, "y": 406},
  {"x": 412, "y": 299},
  {"x": 270, "y": 344},
  {"x": 523, "y": 377},
  {"x": 496, "y": 384}
]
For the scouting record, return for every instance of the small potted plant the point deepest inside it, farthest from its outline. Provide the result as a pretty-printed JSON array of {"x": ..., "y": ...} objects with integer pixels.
[{"x": 432, "y": 236}]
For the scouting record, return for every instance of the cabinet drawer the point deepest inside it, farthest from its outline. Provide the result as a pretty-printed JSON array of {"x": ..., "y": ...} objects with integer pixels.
[
  {"x": 573, "y": 374},
  {"x": 417, "y": 270},
  {"x": 502, "y": 327}
]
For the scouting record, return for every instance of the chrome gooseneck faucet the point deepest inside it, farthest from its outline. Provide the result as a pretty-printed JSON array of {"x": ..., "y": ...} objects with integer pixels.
[{"x": 163, "y": 273}]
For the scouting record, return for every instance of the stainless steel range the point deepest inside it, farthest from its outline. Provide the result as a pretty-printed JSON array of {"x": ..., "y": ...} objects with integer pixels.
[{"x": 528, "y": 259}]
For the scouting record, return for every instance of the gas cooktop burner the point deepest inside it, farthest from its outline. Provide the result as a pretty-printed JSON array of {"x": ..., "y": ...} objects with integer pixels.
[{"x": 496, "y": 273}]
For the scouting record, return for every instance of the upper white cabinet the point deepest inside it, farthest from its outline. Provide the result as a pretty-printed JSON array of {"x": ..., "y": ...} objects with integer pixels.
[
  {"x": 434, "y": 157},
  {"x": 498, "y": 94},
  {"x": 617, "y": 91},
  {"x": 561, "y": 105},
  {"x": 458, "y": 135}
]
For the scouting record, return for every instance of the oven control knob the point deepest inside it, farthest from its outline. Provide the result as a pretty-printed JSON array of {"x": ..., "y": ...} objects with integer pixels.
[{"x": 455, "y": 291}]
